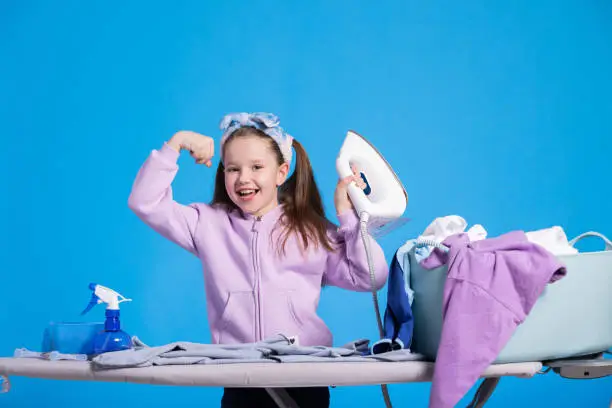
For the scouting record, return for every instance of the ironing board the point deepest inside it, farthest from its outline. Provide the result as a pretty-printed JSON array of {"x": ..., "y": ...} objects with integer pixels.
[{"x": 275, "y": 376}]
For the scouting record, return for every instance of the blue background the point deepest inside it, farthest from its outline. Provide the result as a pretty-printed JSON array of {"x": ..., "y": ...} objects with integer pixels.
[{"x": 496, "y": 112}]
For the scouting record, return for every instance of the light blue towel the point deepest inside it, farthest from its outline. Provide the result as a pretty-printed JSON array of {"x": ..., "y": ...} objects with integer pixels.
[{"x": 403, "y": 257}]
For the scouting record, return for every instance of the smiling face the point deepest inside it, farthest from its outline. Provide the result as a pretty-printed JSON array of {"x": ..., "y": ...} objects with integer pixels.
[{"x": 253, "y": 173}]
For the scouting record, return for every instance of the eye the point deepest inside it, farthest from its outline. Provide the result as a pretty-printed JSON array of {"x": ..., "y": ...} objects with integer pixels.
[
  {"x": 258, "y": 166},
  {"x": 231, "y": 169}
]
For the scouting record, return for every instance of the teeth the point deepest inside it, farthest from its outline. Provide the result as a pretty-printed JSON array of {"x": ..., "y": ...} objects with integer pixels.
[{"x": 246, "y": 192}]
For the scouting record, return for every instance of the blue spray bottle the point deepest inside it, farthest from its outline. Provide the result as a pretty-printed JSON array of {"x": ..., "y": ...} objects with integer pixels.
[{"x": 112, "y": 338}]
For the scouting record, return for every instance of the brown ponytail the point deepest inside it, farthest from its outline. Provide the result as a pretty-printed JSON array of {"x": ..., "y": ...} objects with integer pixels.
[
  {"x": 304, "y": 214},
  {"x": 304, "y": 211}
]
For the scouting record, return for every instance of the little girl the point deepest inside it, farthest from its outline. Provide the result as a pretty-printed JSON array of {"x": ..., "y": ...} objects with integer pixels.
[{"x": 265, "y": 244}]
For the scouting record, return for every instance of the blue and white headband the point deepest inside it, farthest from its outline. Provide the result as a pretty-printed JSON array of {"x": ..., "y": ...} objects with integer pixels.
[{"x": 266, "y": 122}]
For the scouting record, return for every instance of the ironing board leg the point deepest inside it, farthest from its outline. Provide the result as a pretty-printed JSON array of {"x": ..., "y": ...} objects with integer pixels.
[
  {"x": 282, "y": 398},
  {"x": 484, "y": 392}
]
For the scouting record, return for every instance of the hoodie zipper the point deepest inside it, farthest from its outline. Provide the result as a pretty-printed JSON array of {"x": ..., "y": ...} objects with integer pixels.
[{"x": 255, "y": 250}]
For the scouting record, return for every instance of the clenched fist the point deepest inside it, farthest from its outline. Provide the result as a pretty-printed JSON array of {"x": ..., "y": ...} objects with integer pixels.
[{"x": 201, "y": 148}]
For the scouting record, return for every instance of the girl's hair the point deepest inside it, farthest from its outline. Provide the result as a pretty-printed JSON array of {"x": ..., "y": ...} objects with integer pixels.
[{"x": 303, "y": 209}]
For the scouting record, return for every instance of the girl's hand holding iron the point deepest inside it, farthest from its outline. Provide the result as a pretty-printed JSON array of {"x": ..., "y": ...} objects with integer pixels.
[
  {"x": 341, "y": 197},
  {"x": 202, "y": 148}
]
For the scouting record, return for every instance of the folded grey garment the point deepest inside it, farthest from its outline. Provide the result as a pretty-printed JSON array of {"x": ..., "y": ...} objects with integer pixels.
[
  {"x": 279, "y": 343},
  {"x": 276, "y": 349},
  {"x": 188, "y": 352}
]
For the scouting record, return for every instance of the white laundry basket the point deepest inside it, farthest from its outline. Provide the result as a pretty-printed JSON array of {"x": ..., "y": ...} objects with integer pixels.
[{"x": 572, "y": 317}]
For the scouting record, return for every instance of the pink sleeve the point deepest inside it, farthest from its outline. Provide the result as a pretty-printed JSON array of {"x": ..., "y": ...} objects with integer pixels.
[
  {"x": 151, "y": 199},
  {"x": 347, "y": 267}
]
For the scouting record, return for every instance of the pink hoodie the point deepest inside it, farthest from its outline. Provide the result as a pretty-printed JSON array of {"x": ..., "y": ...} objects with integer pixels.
[{"x": 253, "y": 294}]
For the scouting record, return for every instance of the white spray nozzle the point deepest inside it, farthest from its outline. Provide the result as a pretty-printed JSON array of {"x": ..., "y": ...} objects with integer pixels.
[{"x": 102, "y": 294}]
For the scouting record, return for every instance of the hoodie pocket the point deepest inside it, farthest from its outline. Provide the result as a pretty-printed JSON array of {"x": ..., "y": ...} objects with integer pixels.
[
  {"x": 236, "y": 324},
  {"x": 283, "y": 313}
]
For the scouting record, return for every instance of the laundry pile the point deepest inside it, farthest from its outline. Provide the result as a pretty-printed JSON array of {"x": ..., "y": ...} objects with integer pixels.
[{"x": 491, "y": 286}]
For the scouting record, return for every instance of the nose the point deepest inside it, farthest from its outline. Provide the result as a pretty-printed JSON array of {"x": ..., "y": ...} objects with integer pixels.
[{"x": 244, "y": 176}]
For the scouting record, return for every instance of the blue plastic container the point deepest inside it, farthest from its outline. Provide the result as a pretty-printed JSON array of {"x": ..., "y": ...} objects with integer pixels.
[{"x": 71, "y": 337}]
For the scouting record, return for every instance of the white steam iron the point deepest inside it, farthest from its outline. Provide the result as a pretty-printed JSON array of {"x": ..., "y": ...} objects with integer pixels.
[
  {"x": 380, "y": 205},
  {"x": 385, "y": 199}
]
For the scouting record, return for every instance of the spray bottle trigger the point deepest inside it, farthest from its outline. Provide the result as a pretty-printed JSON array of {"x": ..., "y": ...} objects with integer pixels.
[{"x": 94, "y": 301}]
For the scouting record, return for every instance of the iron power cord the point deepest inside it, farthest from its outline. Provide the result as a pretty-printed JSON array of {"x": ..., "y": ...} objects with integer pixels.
[{"x": 363, "y": 221}]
